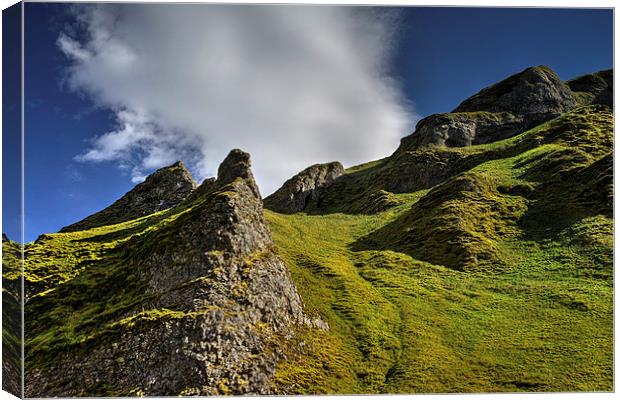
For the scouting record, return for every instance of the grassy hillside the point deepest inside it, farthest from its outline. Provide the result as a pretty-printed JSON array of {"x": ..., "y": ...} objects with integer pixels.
[
  {"x": 473, "y": 269},
  {"x": 11, "y": 317},
  {"x": 497, "y": 279},
  {"x": 88, "y": 286}
]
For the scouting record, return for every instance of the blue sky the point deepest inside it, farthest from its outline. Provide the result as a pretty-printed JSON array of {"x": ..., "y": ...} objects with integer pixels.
[
  {"x": 11, "y": 137},
  {"x": 439, "y": 56}
]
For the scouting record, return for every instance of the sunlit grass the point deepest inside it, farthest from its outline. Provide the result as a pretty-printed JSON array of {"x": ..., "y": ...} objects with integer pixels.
[{"x": 497, "y": 278}]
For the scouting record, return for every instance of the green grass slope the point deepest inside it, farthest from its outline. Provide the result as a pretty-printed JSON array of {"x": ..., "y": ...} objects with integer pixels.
[
  {"x": 474, "y": 269},
  {"x": 87, "y": 286},
  {"x": 499, "y": 278},
  {"x": 413, "y": 168},
  {"x": 11, "y": 317}
]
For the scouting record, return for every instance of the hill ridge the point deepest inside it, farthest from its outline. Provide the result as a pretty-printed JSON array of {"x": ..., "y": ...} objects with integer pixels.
[
  {"x": 164, "y": 188},
  {"x": 489, "y": 258}
]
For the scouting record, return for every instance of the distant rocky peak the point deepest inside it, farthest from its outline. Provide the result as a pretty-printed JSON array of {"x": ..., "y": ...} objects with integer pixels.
[
  {"x": 509, "y": 107},
  {"x": 297, "y": 193},
  {"x": 176, "y": 171},
  {"x": 536, "y": 92},
  {"x": 596, "y": 88},
  {"x": 164, "y": 188},
  {"x": 237, "y": 164}
]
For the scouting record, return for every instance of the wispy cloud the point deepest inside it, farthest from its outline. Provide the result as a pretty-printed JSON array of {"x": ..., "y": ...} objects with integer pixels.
[{"x": 293, "y": 85}]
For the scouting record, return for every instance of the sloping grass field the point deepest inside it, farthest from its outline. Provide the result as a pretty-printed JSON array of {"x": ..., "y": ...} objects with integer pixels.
[{"x": 498, "y": 279}]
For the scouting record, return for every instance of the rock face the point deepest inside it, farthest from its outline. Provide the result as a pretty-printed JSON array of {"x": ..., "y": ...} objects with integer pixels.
[
  {"x": 163, "y": 189},
  {"x": 498, "y": 112},
  {"x": 237, "y": 165},
  {"x": 304, "y": 188},
  {"x": 507, "y": 108},
  {"x": 535, "y": 93},
  {"x": 463, "y": 129},
  {"x": 224, "y": 300},
  {"x": 596, "y": 88}
]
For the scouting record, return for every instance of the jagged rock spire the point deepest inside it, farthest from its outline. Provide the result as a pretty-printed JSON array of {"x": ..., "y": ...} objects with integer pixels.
[
  {"x": 237, "y": 165},
  {"x": 217, "y": 271}
]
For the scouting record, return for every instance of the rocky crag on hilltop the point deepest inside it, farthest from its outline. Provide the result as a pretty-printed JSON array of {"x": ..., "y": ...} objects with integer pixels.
[
  {"x": 424, "y": 159},
  {"x": 481, "y": 248},
  {"x": 161, "y": 190},
  {"x": 194, "y": 300},
  {"x": 488, "y": 225},
  {"x": 499, "y": 111},
  {"x": 304, "y": 189}
]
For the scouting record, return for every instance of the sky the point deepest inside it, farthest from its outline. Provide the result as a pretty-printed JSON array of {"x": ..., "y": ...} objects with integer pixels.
[
  {"x": 113, "y": 92},
  {"x": 11, "y": 120}
]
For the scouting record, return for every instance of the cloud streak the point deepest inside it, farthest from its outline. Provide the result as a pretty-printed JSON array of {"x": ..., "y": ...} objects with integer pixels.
[{"x": 293, "y": 85}]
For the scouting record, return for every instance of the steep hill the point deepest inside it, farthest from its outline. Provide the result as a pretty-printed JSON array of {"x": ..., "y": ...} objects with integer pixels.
[
  {"x": 477, "y": 257},
  {"x": 163, "y": 189},
  {"x": 460, "y": 267},
  {"x": 192, "y": 300}
]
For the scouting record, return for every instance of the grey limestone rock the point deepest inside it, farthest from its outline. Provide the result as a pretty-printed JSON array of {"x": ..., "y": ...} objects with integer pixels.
[
  {"x": 463, "y": 129},
  {"x": 237, "y": 165},
  {"x": 231, "y": 300},
  {"x": 297, "y": 193},
  {"x": 504, "y": 109},
  {"x": 536, "y": 93}
]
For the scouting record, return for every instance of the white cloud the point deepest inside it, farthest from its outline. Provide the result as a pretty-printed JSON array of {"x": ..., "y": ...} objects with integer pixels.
[{"x": 293, "y": 85}]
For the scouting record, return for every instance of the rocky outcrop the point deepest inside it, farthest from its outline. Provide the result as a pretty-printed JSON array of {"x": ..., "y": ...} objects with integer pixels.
[
  {"x": 463, "y": 129},
  {"x": 537, "y": 94},
  {"x": 237, "y": 165},
  {"x": 163, "y": 189},
  {"x": 596, "y": 88},
  {"x": 304, "y": 188},
  {"x": 507, "y": 108},
  {"x": 219, "y": 305}
]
